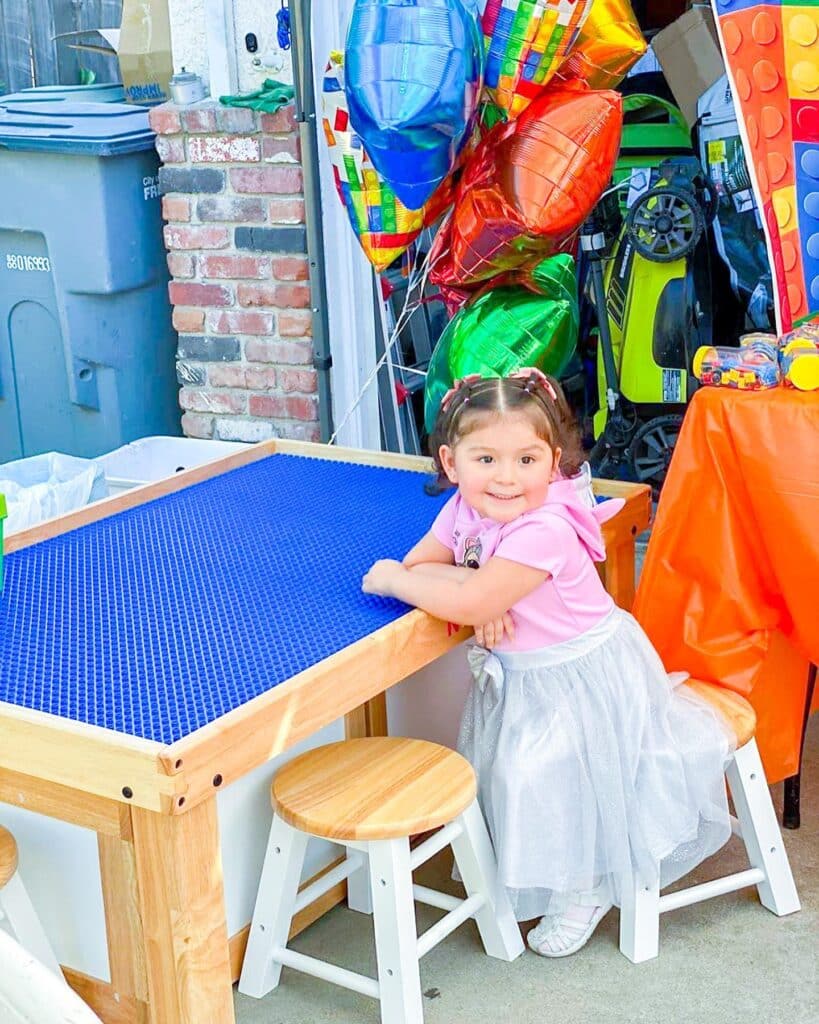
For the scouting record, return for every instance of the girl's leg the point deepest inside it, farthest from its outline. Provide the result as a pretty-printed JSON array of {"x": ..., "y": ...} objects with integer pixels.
[{"x": 567, "y": 931}]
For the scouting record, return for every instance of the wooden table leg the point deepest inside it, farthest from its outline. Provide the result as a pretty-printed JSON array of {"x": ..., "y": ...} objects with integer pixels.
[
  {"x": 123, "y": 927},
  {"x": 369, "y": 719},
  {"x": 791, "y": 814},
  {"x": 179, "y": 878},
  {"x": 618, "y": 573},
  {"x": 377, "y": 716}
]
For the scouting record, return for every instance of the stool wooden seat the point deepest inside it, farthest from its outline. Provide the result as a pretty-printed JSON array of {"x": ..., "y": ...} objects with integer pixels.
[
  {"x": 370, "y": 795},
  {"x": 733, "y": 707},
  {"x": 379, "y": 788},
  {"x": 755, "y": 824},
  {"x": 17, "y": 909},
  {"x": 8, "y": 856}
]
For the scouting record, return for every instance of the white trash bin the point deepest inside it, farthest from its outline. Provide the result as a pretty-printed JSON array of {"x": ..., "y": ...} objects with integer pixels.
[{"x": 43, "y": 486}]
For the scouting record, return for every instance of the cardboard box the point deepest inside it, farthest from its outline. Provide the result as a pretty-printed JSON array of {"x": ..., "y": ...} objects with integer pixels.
[
  {"x": 142, "y": 44},
  {"x": 689, "y": 54}
]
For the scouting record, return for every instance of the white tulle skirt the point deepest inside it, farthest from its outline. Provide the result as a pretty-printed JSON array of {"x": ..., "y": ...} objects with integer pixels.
[{"x": 592, "y": 766}]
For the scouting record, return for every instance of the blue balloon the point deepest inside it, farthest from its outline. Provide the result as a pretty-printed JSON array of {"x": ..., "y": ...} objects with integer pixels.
[{"x": 413, "y": 79}]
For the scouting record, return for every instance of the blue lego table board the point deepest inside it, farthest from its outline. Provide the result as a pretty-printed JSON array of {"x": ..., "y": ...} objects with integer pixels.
[{"x": 159, "y": 619}]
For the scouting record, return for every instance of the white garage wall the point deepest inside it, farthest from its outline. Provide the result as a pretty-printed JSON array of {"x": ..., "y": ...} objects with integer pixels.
[{"x": 190, "y": 21}]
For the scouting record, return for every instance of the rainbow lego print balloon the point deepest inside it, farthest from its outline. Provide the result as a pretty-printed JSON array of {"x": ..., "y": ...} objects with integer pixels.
[
  {"x": 526, "y": 42},
  {"x": 382, "y": 224}
]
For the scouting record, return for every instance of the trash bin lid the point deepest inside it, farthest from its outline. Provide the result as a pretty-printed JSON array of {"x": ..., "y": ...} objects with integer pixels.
[
  {"x": 97, "y": 92},
  {"x": 60, "y": 126}
]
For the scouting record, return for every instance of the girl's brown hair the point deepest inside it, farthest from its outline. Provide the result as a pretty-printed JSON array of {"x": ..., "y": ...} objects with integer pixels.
[{"x": 474, "y": 401}]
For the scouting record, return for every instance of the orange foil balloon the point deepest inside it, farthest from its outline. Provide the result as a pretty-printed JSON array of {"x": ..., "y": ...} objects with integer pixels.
[
  {"x": 529, "y": 185},
  {"x": 609, "y": 43}
]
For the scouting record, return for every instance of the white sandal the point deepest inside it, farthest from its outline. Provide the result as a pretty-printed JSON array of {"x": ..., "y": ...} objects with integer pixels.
[{"x": 557, "y": 935}]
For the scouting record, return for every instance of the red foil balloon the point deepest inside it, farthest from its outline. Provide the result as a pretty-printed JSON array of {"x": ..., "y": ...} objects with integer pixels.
[
  {"x": 530, "y": 185},
  {"x": 455, "y": 298}
]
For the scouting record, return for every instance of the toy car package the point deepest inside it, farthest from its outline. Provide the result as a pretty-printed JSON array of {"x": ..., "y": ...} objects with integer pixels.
[{"x": 738, "y": 232}]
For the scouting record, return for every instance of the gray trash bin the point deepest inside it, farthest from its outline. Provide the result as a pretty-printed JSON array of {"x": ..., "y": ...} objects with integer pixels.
[{"x": 87, "y": 350}]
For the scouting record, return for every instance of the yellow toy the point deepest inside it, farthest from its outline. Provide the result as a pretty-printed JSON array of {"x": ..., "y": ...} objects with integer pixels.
[{"x": 799, "y": 361}]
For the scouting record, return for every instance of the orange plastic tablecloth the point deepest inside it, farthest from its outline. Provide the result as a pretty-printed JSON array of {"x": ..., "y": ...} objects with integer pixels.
[{"x": 730, "y": 587}]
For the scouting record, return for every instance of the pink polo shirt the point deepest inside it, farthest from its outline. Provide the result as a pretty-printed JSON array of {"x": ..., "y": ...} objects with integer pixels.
[{"x": 563, "y": 538}]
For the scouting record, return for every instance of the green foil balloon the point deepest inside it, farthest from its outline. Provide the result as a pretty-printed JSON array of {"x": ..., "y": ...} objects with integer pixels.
[{"x": 506, "y": 328}]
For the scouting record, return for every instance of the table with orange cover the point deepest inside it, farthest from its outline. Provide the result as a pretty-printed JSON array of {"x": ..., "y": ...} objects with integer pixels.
[{"x": 730, "y": 585}]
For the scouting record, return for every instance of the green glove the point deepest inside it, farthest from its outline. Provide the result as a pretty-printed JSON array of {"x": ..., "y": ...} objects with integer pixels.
[{"x": 268, "y": 99}]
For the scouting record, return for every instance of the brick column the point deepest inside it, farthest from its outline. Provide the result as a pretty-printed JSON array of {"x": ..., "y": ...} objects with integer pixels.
[{"x": 232, "y": 199}]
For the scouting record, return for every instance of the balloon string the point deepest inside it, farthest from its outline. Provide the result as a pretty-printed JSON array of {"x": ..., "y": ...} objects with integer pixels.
[
  {"x": 418, "y": 278},
  {"x": 406, "y": 311}
]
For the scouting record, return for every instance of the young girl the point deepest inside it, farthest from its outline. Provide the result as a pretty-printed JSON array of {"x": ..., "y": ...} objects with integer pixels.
[{"x": 591, "y": 767}]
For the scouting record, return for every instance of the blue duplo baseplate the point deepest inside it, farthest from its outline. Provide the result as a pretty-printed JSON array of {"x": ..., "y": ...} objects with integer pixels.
[{"x": 160, "y": 619}]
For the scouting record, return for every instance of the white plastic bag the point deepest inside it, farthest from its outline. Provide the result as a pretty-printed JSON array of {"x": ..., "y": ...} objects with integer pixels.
[
  {"x": 583, "y": 485},
  {"x": 43, "y": 486}
]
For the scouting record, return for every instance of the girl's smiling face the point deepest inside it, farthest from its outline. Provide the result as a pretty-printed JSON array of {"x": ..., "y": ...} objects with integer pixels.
[{"x": 502, "y": 467}]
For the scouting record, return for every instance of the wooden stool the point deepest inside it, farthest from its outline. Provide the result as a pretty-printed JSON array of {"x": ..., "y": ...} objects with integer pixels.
[
  {"x": 16, "y": 907},
  {"x": 755, "y": 824},
  {"x": 371, "y": 795}
]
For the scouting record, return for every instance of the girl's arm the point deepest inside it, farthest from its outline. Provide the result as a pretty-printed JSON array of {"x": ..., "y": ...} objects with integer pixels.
[
  {"x": 439, "y": 571},
  {"x": 488, "y": 634},
  {"x": 429, "y": 549},
  {"x": 485, "y": 595}
]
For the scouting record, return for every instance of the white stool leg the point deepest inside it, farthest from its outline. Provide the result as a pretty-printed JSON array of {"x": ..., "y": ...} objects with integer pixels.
[
  {"x": 396, "y": 936},
  {"x": 760, "y": 830},
  {"x": 21, "y": 915},
  {"x": 273, "y": 912},
  {"x": 359, "y": 895},
  {"x": 475, "y": 858},
  {"x": 640, "y": 921}
]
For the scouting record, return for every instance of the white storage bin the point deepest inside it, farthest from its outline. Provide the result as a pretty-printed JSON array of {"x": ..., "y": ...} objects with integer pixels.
[{"x": 155, "y": 458}]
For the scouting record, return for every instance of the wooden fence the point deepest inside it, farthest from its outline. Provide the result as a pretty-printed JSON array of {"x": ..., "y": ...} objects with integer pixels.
[{"x": 29, "y": 53}]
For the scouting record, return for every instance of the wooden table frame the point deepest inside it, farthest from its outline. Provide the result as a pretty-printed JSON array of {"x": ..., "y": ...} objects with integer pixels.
[{"x": 153, "y": 806}]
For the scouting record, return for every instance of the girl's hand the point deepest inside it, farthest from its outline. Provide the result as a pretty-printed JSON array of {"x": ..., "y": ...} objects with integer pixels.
[
  {"x": 382, "y": 577},
  {"x": 490, "y": 634}
]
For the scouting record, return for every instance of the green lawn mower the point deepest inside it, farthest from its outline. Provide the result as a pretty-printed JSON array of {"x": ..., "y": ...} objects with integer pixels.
[
  {"x": 651, "y": 289},
  {"x": 654, "y": 131}
]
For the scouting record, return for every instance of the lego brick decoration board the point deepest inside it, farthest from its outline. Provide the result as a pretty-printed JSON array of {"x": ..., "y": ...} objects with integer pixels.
[{"x": 772, "y": 58}]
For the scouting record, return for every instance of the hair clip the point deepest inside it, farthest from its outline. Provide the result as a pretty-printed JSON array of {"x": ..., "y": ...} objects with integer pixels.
[{"x": 531, "y": 374}]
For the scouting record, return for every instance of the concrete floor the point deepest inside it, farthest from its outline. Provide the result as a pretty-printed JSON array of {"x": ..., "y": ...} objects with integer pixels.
[{"x": 725, "y": 961}]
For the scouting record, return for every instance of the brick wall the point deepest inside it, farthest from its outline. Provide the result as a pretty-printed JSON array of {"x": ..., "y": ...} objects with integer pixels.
[{"x": 236, "y": 240}]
